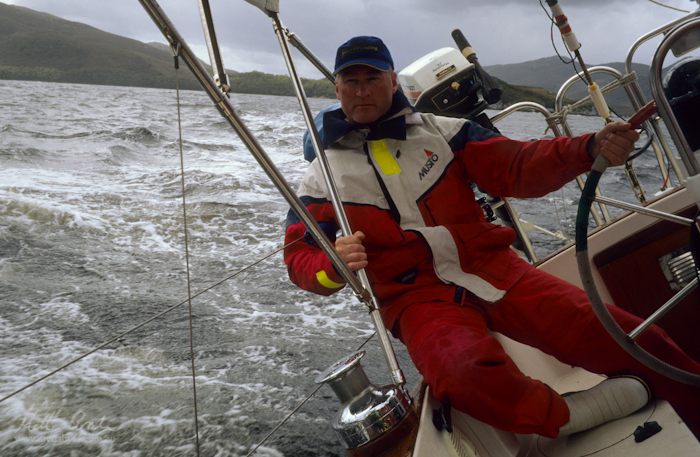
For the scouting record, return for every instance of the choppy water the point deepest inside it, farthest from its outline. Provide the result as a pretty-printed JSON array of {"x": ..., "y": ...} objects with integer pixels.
[{"x": 92, "y": 243}]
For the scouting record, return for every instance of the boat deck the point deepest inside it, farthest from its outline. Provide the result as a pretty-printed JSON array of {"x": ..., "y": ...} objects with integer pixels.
[{"x": 472, "y": 438}]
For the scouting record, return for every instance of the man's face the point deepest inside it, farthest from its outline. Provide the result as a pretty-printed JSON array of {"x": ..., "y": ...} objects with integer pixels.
[{"x": 365, "y": 93}]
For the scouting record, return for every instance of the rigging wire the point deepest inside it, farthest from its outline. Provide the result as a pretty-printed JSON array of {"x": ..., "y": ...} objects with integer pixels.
[
  {"x": 656, "y": 2},
  {"x": 572, "y": 62},
  {"x": 146, "y": 322},
  {"x": 572, "y": 59},
  {"x": 551, "y": 38},
  {"x": 187, "y": 250}
]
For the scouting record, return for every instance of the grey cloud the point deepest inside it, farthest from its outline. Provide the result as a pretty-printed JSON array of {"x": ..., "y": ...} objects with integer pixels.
[{"x": 502, "y": 31}]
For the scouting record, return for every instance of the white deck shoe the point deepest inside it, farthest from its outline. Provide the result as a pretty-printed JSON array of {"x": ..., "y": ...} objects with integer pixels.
[{"x": 611, "y": 399}]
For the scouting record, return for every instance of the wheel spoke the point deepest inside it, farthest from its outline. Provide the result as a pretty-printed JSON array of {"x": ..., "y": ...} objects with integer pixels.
[{"x": 666, "y": 307}]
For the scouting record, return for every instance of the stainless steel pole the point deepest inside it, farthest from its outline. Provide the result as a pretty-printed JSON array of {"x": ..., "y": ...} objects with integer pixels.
[
  {"x": 223, "y": 104},
  {"x": 217, "y": 64},
  {"x": 691, "y": 162},
  {"x": 296, "y": 42},
  {"x": 369, "y": 298}
]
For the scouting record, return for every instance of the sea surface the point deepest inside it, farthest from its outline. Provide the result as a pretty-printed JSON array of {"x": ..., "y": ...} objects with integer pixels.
[{"x": 92, "y": 243}]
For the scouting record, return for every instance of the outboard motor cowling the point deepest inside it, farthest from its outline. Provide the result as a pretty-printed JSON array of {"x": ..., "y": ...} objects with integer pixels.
[{"x": 443, "y": 82}]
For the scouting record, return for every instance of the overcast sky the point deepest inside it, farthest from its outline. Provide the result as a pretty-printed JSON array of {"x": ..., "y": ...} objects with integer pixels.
[{"x": 501, "y": 31}]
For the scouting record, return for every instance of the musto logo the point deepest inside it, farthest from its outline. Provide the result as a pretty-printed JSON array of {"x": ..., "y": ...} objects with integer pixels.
[{"x": 432, "y": 159}]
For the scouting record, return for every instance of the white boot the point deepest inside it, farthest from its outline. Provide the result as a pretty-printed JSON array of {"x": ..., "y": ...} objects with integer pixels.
[{"x": 611, "y": 399}]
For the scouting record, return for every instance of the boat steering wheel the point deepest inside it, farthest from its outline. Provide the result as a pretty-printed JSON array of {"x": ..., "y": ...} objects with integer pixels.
[{"x": 625, "y": 340}]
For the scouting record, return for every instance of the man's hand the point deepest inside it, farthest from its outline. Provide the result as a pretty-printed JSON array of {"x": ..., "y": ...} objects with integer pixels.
[
  {"x": 352, "y": 251},
  {"x": 615, "y": 142}
]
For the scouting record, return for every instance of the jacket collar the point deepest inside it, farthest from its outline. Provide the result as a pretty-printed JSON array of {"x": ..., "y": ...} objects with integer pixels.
[{"x": 390, "y": 125}]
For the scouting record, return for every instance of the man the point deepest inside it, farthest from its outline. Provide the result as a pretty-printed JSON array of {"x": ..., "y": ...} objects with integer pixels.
[{"x": 444, "y": 276}]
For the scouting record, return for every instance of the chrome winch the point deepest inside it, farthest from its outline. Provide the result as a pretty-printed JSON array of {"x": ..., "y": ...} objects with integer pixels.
[{"x": 370, "y": 417}]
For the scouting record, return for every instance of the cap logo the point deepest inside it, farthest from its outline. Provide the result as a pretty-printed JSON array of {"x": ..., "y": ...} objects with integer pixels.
[{"x": 354, "y": 49}]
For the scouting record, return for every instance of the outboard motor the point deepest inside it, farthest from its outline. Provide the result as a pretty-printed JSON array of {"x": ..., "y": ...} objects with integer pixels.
[
  {"x": 682, "y": 89},
  {"x": 448, "y": 82},
  {"x": 443, "y": 82},
  {"x": 372, "y": 419}
]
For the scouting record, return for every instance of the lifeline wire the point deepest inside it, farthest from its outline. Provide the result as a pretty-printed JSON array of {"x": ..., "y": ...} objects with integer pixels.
[
  {"x": 187, "y": 250},
  {"x": 144, "y": 323}
]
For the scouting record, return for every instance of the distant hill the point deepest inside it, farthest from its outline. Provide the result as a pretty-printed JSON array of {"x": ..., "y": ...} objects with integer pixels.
[
  {"x": 550, "y": 73},
  {"x": 41, "y": 47}
]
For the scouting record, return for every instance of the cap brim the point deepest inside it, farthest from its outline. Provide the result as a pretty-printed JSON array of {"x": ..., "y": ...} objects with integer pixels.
[{"x": 374, "y": 63}]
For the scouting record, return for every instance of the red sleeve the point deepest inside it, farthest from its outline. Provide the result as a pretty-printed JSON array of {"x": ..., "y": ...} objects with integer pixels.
[
  {"x": 509, "y": 168},
  {"x": 307, "y": 265}
]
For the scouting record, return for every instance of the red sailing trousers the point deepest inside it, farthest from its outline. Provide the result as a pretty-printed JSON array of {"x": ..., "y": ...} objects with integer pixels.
[{"x": 458, "y": 357}]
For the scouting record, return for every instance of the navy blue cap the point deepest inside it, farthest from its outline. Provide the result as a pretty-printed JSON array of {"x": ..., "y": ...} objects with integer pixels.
[{"x": 363, "y": 50}]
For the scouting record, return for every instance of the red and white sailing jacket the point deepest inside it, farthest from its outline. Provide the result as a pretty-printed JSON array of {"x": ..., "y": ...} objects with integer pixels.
[{"x": 407, "y": 184}]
